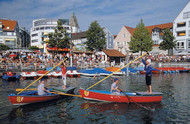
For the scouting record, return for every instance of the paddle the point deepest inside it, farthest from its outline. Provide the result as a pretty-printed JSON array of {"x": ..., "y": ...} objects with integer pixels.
[
  {"x": 26, "y": 89},
  {"x": 130, "y": 99},
  {"x": 116, "y": 71},
  {"x": 41, "y": 76}
]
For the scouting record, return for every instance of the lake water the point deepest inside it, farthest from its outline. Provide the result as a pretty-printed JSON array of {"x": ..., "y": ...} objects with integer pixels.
[{"x": 174, "y": 108}]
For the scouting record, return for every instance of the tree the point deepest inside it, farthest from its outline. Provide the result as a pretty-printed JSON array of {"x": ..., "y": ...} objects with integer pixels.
[
  {"x": 4, "y": 47},
  {"x": 168, "y": 41},
  {"x": 96, "y": 39},
  {"x": 33, "y": 48},
  {"x": 59, "y": 38},
  {"x": 141, "y": 39}
]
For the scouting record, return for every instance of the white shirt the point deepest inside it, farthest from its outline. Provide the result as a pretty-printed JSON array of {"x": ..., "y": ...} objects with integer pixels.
[{"x": 41, "y": 89}]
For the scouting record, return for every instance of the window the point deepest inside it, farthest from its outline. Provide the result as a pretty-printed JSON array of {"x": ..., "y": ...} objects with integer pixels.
[
  {"x": 181, "y": 24},
  {"x": 186, "y": 15},
  {"x": 123, "y": 35},
  {"x": 9, "y": 33},
  {"x": 37, "y": 29},
  {"x": 155, "y": 41},
  {"x": 180, "y": 45},
  {"x": 117, "y": 44},
  {"x": 36, "y": 40},
  {"x": 181, "y": 33},
  {"x": 47, "y": 27},
  {"x": 188, "y": 45},
  {"x": 34, "y": 35},
  {"x": 1, "y": 40},
  {"x": 41, "y": 28}
]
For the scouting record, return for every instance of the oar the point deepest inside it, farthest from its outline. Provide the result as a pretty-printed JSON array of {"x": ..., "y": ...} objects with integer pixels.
[
  {"x": 66, "y": 94},
  {"x": 41, "y": 76},
  {"x": 130, "y": 99},
  {"x": 26, "y": 89},
  {"x": 116, "y": 71}
]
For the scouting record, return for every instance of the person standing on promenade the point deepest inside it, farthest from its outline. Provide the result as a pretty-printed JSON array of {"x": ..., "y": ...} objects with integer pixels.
[
  {"x": 148, "y": 77},
  {"x": 64, "y": 74}
]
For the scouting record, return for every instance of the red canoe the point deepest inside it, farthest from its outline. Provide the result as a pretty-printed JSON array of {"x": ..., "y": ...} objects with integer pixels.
[
  {"x": 139, "y": 97},
  {"x": 32, "y": 97}
]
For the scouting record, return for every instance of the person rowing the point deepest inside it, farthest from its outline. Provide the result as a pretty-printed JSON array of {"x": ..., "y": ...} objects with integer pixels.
[
  {"x": 41, "y": 88},
  {"x": 114, "y": 87}
]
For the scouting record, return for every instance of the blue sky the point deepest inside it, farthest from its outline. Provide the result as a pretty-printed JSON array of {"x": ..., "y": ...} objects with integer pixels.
[{"x": 112, "y": 14}]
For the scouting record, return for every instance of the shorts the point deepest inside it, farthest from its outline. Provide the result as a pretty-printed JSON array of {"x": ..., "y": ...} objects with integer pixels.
[{"x": 148, "y": 80}]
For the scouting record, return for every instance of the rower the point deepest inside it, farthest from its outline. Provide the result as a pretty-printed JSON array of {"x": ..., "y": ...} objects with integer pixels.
[
  {"x": 41, "y": 88},
  {"x": 114, "y": 87}
]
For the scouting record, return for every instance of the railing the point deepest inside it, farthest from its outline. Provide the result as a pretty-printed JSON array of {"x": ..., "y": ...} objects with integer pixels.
[{"x": 82, "y": 65}]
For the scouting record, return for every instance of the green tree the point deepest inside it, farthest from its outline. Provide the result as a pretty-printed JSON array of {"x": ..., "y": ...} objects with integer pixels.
[
  {"x": 141, "y": 39},
  {"x": 168, "y": 41},
  {"x": 3, "y": 47},
  {"x": 33, "y": 48},
  {"x": 96, "y": 39},
  {"x": 59, "y": 38}
]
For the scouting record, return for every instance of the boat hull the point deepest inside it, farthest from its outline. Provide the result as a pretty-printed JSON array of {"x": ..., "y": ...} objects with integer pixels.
[
  {"x": 23, "y": 100},
  {"x": 107, "y": 97},
  {"x": 32, "y": 97}
]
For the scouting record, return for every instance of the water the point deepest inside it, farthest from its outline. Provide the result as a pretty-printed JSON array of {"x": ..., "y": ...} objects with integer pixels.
[{"x": 174, "y": 108}]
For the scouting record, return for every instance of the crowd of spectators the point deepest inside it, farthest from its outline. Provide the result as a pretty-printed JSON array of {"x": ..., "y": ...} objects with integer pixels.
[{"x": 43, "y": 60}]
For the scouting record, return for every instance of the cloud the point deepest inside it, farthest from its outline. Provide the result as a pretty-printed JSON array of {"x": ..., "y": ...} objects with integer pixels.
[{"x": 112, "y": 14}]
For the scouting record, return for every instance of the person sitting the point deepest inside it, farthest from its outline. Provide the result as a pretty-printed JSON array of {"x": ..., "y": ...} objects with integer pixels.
[
  {"x": 114, "y": 87},
  {"x": 41, "y": 88}
]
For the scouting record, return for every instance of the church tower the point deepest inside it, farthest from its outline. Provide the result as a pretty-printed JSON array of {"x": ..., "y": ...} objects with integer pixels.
[{"x": 74, "y": 23}]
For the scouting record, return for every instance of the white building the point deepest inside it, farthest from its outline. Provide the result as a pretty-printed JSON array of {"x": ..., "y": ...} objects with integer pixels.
[
  {"x": 181, "y": 31},
  {"x": 9, "y": 33},
  {"x": 41, "y": 28}
]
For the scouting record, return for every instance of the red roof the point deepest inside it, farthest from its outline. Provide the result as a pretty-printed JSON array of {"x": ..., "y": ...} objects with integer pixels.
[
  {"x": 113, "y": 53},
  {"x": 150, "y": 28},
  {"x": 8, "y": 23}
]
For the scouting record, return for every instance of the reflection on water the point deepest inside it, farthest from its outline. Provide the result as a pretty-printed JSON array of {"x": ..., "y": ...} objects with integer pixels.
[{"x": 174, "y": 107}]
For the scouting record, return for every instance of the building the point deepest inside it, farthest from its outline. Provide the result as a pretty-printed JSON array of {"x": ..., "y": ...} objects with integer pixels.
[
  {"x": 181, "y": 31},
  {"x": 79, "y": 40},
  {"x": 25, "y": 37},
  {"x": 42, "y": 27},
  {"x": 74, "y": 23},
  {"x": 126, "y": 32},
  {"x": 9, "y": 33},
  {"x": 109, "y": 38}
]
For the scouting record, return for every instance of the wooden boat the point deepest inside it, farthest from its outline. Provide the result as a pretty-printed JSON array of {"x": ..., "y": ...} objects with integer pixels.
[
  {"x": 33, "y": 97},
  {"x": 73, "y": 73},
  {"x": 25, "y": 75},
  {"x": 42, "y": 72},
  {"x": 138, "y": 97},
  {"x": 56, "y": 74},
  {"x": 10, "y": 76}
]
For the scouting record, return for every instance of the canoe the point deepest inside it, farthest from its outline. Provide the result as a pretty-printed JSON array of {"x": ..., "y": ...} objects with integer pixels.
[
  {"x": 33, "y": 97},
  {"x": 138, "y": 97},
  {"x": 10, "y": 76},
  {"x": 28, "y": 74}
]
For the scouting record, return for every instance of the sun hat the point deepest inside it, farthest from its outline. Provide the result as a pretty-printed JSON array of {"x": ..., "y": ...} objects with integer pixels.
[{"x": 115, "y": 79}]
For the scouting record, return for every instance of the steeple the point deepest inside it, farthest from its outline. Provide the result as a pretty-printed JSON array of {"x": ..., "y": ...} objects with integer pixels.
[{"x": 74, "y": 23}]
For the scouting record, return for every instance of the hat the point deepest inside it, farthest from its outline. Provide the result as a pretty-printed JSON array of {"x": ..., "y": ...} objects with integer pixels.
[
  {"x": 42, "y": 79},
  {"x": 115, "y": 79},
  {"x": 149, "y": 60}
]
